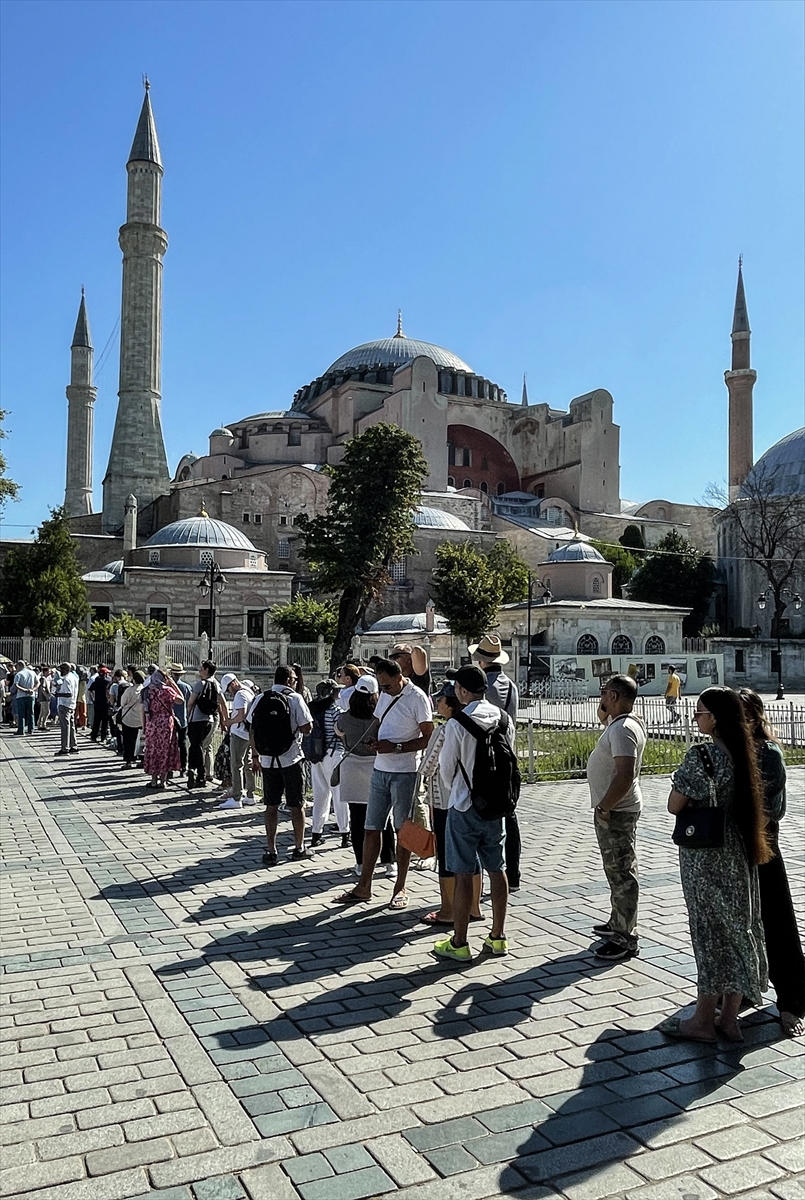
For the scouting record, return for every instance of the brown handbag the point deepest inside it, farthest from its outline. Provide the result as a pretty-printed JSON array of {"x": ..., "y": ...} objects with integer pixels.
[{"x": 415, "y": 837}]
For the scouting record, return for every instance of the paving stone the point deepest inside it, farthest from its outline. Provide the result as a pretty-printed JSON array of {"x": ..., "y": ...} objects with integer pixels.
[
  {"x": 500, "y": 1147},
  {"x": 550, "y": 1163},
  {"x": 789, "y": 1124},
  {"x": 732, "y": 1143},
  {"x": 18, "y": 1180},
  {"x": 135, "y": 1154},
  {"x": 218, "y": 1162},
  {"x": 118, "y": 1186},
  {"x": 445, "y": 1133},
  {"x": 790, "y": 1156},
  {"x": 357, "y": 1185},
  {"x": 268, "y": 1183},
  {"x": 741, "y": 1174},
  {"x": 292, "y": 1119},
  {"x": 225, "y": 1187},
  {"x": 195, "y": 1141},
  {"x": 399, "y": 1160},
  {"x": 115, "y": 1114},
  {"x": 357, "y": 1130},
  {"x": 475, "y": 1185},
  {"x": 612, "y": 1180},
  {"x": 681, "y": 1187},
  {"x": 80, "y": 1142}
]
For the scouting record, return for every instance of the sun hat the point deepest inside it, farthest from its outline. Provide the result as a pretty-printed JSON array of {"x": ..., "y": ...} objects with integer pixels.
[
  {"x": 367, "y": 684},
  {"x": 177, "y": 669},
  {"x": 491, "y": 647}
]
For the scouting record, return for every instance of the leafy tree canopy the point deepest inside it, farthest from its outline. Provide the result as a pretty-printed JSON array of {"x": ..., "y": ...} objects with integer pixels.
[
  {"x": 466, "y": 589},
  {"x": 368, "y": 524},
  {"x": 42, "y": 586},
  {"x": 624, "y": 561},
  {"x": 9, "y": 490},
  {"x": 304, "y": 619},
  {"x": 512, "y": 569},
  {"x": 679, "y": 574},
  {"x": 632, "y": 538},
  {"x": 142, "y": 638}
]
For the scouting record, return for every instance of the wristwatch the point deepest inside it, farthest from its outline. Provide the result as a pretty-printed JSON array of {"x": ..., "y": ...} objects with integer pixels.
[{"x": 398, "y": 749}]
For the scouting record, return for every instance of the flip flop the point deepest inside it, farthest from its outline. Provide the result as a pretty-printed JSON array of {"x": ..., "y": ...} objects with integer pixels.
[
  {"x": 351, "y": 898},
  {"x": 472, "y": 918},
  {"x": 671, "y": 1029},
  {"x": 432, "y": 919},
  {"x": 400, "y": 901}
]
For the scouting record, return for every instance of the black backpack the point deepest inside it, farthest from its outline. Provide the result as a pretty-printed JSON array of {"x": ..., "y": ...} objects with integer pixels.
[
  {"x": 314, "y": 744},
  {"x": 207, "y": 699},
  {"x": 495, "y": 786},
  {"x": 271, "y": 725}
]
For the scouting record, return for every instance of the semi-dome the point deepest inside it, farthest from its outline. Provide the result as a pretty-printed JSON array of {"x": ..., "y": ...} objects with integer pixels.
[
  {"x": 221, "y": 432},
  {"x": 576, "y": 552},
  {"x": 434, "y": 518},
  {"x": 781, "y": 470},
  {"x": 201, "y": 531}
]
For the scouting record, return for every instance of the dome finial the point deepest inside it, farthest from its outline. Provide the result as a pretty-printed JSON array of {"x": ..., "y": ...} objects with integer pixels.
[
  {"x": 202, "y": 512},
  {"x": 399, "y": 332}
]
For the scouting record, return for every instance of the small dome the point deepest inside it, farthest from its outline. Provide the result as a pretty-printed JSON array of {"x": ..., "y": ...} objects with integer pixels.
[
  {"x": 114, "y": 568},
  {"x": 434, "y": 518},
  {"x": 396, "y": 352},
  {"x": 408, "y": 623},
  {"x": 576, "y": 552},
  {"x": 781, "y": 470},
  {"x": 222, "y": 432},
  {"x": 201, "y": 531}
]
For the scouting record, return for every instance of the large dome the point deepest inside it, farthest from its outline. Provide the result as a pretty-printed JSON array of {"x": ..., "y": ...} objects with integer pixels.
[
  {"x": 781, "y": 470},
  {"x": 396, "y": 352},
  {"x": 201, "y": 531}
]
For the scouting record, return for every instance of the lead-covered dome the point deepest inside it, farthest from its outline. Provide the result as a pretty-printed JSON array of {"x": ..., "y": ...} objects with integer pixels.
[
  {"x": 396, "y": 352},
  {"x": 576, "y": 552},
  {"x": 201, "y": 531},
  {"x": 781, "y": 470},
  {"x": 435, "y": 518}
]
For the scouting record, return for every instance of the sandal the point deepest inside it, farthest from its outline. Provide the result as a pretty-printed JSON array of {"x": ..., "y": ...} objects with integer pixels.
[
  {"x": 433, "y": 918},
  {"x": 793, "y": 1026},
  {"x": 400, "y": 901},
  {"x": 351, "y": 898},
  {"x": 671, "y": 1029}
]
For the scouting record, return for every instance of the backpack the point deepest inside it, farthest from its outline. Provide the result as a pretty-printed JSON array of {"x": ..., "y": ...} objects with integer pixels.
[
  {"x": 495, "y": 786},
  {"x": 207, "y": 699},
  {"x": 314, "y": 744},
  {"x": 271, "y": 725}
]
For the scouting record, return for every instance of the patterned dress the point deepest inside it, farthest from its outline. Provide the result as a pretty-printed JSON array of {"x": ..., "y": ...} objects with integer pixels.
[
  {"x": 161, "y": 742},
  {"x": 721, "y": 891}
]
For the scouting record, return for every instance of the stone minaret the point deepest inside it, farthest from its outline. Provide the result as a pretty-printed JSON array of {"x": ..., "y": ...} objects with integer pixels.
[
  {"x": 137, "y": 459},
  {"x": 80, "y": 416},
  {"x": 740, "y": 381}
]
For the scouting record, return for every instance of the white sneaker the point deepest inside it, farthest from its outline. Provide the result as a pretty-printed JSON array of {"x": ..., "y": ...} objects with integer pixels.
[
  {"x": 390, "y": 870},
  {"x": 357, "y": 870},
  {"x": 230, "y": 803},
  {"x": 249, "y": 800}
]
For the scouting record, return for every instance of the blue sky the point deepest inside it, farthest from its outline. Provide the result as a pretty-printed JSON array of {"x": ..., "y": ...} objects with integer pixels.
[{"x": 556, "y": 188}]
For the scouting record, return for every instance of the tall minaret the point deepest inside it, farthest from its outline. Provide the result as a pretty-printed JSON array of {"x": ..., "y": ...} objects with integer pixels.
[
  {"x": 137, "y": 460},
  {"x": 80, "y": 416},
  {"x": 740, "y": 381}
]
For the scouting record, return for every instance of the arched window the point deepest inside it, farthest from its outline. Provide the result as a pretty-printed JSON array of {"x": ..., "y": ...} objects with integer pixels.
[
  {"x": 484, "y": 487},
  {"x": 451, "y": 482},
  {"x": 655, "y": 644},
  {"x": 501, "y": 488},
  {"x": 467, "y": 483},
  {"x": 597, "y": 585},
  {"x": 621, "y": 644},
  {"x": 587, "y": 644}
]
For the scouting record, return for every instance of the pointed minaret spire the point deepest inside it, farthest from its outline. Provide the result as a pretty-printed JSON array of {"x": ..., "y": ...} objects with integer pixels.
[
  {"x": 81, "y": 396},
  {"x": 137, "y": 460},
  {"x": 740, "y": 381},
  {"x": 145, "y": 147},
  {"x": 524, "y": 401},
  {"x": 82, "y": 335},
  {"x": 399, "y": 332}
]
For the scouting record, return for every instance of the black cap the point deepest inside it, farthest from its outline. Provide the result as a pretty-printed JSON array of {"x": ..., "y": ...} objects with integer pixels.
[{"x": 472, "y": 678}]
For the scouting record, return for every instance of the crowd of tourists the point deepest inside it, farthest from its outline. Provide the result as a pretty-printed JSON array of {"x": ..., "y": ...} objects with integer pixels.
[{"x": 409, "y": 770}]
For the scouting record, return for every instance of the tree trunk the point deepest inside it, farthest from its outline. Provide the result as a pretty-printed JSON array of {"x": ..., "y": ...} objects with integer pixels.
[{"x": 349, "y": 607}]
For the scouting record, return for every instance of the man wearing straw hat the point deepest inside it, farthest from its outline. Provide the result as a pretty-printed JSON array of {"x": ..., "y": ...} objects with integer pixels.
[{"x": 502, "y": 692}]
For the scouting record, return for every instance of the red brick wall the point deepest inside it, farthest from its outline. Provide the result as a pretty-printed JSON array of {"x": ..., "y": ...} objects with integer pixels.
[{"x": 490, "y": 463}]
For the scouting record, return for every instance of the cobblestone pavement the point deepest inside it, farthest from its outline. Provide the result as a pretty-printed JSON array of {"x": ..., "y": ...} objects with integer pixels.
[{"x": 182, "y": 1023}]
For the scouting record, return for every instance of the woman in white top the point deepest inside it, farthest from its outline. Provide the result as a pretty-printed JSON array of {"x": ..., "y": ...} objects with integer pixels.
[{"x": 131, "y": 716}]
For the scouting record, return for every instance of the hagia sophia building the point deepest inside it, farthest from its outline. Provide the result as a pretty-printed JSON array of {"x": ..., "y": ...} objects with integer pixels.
[{"x": 540, "y": 477}]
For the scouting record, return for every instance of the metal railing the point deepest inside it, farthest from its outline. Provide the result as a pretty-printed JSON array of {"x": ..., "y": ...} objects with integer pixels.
[
  {"x": 49, "y": 652},
  {"x": 304, "y": 653}
]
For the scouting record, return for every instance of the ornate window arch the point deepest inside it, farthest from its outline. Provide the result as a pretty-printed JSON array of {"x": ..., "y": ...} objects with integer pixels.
[
  {"x": 587, "y": 644},
  {"x": 655, "y": 644},
  {"x": 621, "y": 644}
]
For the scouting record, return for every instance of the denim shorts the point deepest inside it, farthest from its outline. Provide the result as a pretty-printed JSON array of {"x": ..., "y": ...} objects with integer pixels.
[
  {"x": 390, "y": 792},
  {"x": 469, "y": 838}
]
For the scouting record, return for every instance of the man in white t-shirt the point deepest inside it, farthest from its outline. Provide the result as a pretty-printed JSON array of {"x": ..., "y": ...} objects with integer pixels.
[
  {"x": 405, "y": 723},
  {"x": 67, "y": 698},
  {"x": 282, "y": 769},
  {"x": 613, "y": 773},
  {"x": 242, "y": 698}
]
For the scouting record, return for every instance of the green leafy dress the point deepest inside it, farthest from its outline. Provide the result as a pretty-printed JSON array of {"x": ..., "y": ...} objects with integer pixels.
[{"x": 721, "y": 891}]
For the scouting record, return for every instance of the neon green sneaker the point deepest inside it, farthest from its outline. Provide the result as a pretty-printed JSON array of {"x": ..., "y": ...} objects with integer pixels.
[
  {"x": 446, "y": 949},
  {"x": 497, "y": 946}
]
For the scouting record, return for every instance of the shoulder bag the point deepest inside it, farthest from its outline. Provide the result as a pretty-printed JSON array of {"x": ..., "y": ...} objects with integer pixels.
[
  {"x": 417, "y": 838},
  {"x": 335, "y": 778},
  {"x": 702, "y": 828}
]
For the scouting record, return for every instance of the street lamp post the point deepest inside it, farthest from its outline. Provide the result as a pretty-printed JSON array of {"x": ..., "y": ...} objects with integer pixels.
[
  {"x": 796, "y": 600},
  {"x": 212, "y": 584},
  {"x": 546, "y": 598}
]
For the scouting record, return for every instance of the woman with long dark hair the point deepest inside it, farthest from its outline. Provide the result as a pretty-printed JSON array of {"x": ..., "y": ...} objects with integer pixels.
[
  {"x": 355, "y": 728},
  {"x": 721, "y": 883},
  {"x": 784, "y": 949}
]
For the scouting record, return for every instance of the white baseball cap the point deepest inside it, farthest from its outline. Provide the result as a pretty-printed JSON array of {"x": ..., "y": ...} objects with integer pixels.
[
  {"x": 367, "y": 684},
  {"x": 230, "y": 677}
]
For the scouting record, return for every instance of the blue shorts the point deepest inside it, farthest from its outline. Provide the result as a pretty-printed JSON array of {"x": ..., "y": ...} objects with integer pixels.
[
  {"x": 470, "y": 839},
  {"x": 390, "y": 791}
]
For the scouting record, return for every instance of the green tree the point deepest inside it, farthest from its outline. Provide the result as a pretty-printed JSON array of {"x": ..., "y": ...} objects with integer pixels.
[
  {"x": 304, "y": 619},
  {"x": 632, "y": 538},
  {"x": 8, "y": 488},
  {"x": 623, "y": 560},
  {"x": 466, "y": 589},
  {"x": 512, "y": 569},
  {"x": 679, "y": 574},
  {"x": 42, "y": 586},
  {"x": 368, "y": 524},
  {"x": 142, "y": 638}
]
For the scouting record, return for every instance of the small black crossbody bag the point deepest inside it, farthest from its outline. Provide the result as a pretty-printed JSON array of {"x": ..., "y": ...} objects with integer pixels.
[{"x": 701, "y": 828}]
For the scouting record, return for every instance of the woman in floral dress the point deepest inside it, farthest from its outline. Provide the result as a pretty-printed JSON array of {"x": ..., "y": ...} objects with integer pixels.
[
  {"x": 161, "y": 742},
  {"x": 721, "y": 884}
]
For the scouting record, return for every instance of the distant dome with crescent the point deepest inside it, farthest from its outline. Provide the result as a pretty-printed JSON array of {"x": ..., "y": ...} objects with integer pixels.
[
  {"x": 201, "y": 531},
  {"x": 781, "y": 470}
]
